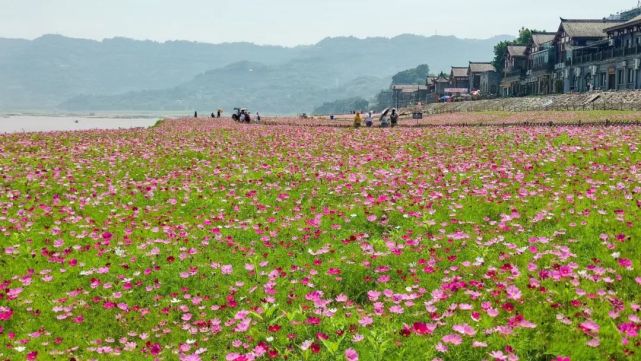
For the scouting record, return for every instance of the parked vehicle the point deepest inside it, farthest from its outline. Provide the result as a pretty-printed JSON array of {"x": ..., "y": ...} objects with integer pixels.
[{"x": 239, "y": 114}]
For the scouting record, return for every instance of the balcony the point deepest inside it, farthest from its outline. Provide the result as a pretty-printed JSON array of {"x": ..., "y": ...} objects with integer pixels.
[
  {"x": 605, "y": 55},
  {"x": 542, "y": 67}
]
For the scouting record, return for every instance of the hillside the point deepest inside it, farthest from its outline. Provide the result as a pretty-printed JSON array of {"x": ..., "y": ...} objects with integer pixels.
[{"x": 55, "y": 72}]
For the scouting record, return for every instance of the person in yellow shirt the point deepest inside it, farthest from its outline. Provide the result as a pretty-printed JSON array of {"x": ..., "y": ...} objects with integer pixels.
[{"x": 358, "y": 120}]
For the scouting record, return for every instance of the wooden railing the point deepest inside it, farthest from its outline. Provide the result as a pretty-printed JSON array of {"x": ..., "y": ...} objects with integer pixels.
[{"x": 605, "y": 55}]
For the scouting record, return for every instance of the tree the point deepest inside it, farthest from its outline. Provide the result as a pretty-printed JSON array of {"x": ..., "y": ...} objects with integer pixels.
[
  {"x": 500, "y": 49},
  {"x": 525, "y": 36},
  {"x": 412, "y": 76}
]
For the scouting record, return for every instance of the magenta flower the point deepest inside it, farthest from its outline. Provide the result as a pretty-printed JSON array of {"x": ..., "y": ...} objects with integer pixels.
[
  {"x": 5, "y": 313},
  {"x": 421, "y": 328},
  {"x": 625, "y": 263}
]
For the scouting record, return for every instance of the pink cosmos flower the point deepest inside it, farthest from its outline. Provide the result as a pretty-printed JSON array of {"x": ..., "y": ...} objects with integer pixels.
[
  {"x": 226, "y": 269},
  {"x": 595, "y": 342},
  {"x": 351, "y": 355},
  {"x": 498, "y": 356},
  {"x": 513, "y": 292},
  {"x": 193, "y": 357},
  {"x": 453, "y": 339},
  {"x": 366, "y": 321},
  {"x": 589, "y": 327},
  {"x": 464, "y": 329}
]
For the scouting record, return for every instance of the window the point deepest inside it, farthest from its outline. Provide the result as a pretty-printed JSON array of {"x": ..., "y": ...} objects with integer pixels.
[
  {"x": 620, "y": 77},
  {"x": 630, "y": 76}
]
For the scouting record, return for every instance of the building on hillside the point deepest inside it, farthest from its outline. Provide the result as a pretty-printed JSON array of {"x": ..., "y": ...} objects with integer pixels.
[
  {"x": 440, "y": 84},
  {"x": 405, "y": 95},
  {"x": 459, "y": 80},
  {"x": 541, "y": 58},
  {"x": 482, "y": 77},
  {"x": 514, "y": 71},
  {"x": 572, "y": 36}
]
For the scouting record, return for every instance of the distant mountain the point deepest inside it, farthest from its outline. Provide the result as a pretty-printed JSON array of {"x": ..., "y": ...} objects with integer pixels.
[
  {"x": 51, "y": 69},
  {"x": 282, "y": 89},
  {"x": 123, "y": 74}
]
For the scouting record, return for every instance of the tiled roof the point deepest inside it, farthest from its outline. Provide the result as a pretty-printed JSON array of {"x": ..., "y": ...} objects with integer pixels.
[
  {"x": 541, "y": 38},
  {"x": 516, "y": 50},
  {"x": 587, "y": 28},
  {"x": 632, "y": 22},
  {"x": 459, "y": 72},
  {"x": 481, "y": 67}
]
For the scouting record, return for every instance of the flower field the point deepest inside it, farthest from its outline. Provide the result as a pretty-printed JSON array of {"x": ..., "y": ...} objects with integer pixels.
[{"x": 218, "y": 241}]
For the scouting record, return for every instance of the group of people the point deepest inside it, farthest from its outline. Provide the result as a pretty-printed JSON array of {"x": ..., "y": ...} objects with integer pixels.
[
  {"x": 218, "y": 114},
  {"x": 242, "y": 116},
  {"x": 388, "y": 119}
]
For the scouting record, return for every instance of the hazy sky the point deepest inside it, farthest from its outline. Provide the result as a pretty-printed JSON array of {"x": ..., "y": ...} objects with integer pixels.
[{"x": 287, "y": 22}]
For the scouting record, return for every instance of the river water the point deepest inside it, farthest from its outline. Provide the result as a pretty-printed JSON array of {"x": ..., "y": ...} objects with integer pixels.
[{"x": 42, "y": 123}]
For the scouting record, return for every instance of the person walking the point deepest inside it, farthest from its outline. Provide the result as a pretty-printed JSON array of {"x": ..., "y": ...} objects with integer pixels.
[
  {"x": 257, "y": 117},
  {"x": 384, "y": 119},
  {"x": 394, "y": 118},
  {"x": 369, "y": 121},
  {"x": 357, "y": 120}
]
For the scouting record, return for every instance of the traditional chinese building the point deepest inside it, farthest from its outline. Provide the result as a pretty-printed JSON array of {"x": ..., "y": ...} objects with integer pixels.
[
  {"x": 409, "y": 94},
  {"x": 483, "y": 78},
  {"x": 609, "y": 64},
  {"x": 580, "y": 37},
  {"x": 459, "y": 80},
  {"x": 541, "y": 57},
  {"x": 440, "y": 84},
  {"x": 514, "y": 71}
]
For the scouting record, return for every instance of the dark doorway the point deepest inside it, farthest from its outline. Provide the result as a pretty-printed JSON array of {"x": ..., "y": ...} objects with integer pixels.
[{"x": 611, "y": 81}]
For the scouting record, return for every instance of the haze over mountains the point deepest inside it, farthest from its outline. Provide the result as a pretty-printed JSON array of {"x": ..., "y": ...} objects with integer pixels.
[{"x": 55, "y": 73}]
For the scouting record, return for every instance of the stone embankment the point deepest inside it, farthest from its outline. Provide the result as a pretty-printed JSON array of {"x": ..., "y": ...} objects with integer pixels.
[{"x": 621, "y": 100}]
